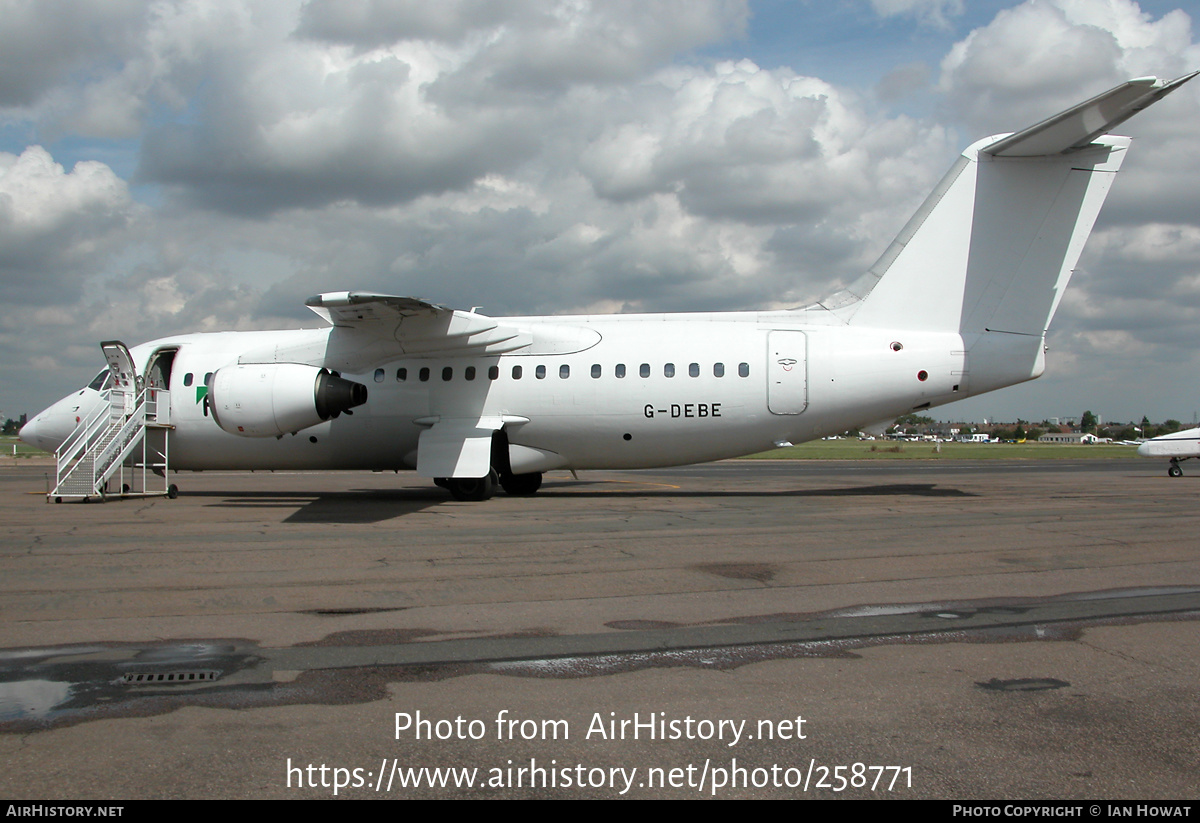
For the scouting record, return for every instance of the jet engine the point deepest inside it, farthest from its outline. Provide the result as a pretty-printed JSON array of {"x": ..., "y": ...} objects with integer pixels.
[{"x": 273, "y": 399}]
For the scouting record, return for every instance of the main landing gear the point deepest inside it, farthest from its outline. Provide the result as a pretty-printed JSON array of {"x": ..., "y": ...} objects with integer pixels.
[
  {"x": 1175, "y": 470},
  {"x": 521, "y": 485},
  {"x": 482, "y": 488},
  {"x": 469, "y": 488}
]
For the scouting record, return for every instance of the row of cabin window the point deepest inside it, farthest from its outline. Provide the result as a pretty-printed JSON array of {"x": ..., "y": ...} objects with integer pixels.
[
  {"x": 187, "y": 378},
  {"x": 564, "y": 371}
]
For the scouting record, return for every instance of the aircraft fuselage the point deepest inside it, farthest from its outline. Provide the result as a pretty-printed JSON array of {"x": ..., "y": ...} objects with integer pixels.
[{"x": 637, "y": 391}]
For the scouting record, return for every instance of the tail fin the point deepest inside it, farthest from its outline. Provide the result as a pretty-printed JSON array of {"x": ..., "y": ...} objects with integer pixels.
[{"x": 994, "y": 245}]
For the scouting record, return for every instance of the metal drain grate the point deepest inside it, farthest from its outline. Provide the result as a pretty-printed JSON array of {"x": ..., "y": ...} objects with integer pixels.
[{"x": 180, "y": 678}]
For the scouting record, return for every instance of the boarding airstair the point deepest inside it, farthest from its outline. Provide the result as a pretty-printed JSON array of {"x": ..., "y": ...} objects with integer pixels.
[{"x": 121, "y": 448}]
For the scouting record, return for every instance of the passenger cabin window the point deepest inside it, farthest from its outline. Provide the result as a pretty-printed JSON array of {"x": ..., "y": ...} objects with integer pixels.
[
  {"x": 379, "y": 375},
  {"x": 743, "y": 369},
  {"x": 423, "y": 374},
  {"x": 669, "y": 370},
  {"x": 564, "y": 371},
  {"x": 516, "y": 372},
  {"x": 619, "y": 371},
  {"x": 187, "y": 379},
  {"x": 493, "y": 372},
  {"x": 469, "y": 373},
  {"x": 401, "y": 374},
  {"x": 694, "y": 370},
  {"x": 718, "y": 369},
  {"x": 447, "y": 374},
  {"x": 644, "y": 371},
  {"x": 596, "y": 370},
  {"x": 540, "y": 372}
]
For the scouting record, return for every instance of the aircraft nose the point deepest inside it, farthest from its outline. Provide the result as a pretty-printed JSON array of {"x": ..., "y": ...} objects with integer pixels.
[
  {"x": 34, "y": 433},
  {"x": 51, "y": 427},
  {"x": 1144, "y": 449}
]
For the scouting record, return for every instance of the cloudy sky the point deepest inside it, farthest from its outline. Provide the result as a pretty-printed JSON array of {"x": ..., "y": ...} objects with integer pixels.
[{"x": 209, "y": 164}]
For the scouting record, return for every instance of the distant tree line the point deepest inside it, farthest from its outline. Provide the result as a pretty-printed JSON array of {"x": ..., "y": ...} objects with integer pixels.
[{"x": 1089, "y": 423}]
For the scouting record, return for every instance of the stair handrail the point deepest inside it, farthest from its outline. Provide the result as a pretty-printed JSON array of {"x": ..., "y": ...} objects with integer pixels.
[
  {"x": 118, "y": 448},
  {"x": 75, "y": 447}
]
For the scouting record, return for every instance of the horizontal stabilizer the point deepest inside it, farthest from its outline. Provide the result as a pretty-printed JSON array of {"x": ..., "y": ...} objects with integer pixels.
[{"x": 1079, "y": 125}]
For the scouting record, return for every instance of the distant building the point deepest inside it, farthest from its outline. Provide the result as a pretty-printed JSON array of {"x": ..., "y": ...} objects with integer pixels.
[{"x": 1068, "y": 437}]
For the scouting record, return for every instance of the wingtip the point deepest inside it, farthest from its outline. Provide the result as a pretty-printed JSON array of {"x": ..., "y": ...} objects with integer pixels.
[
  {"x": 1181, "y": 80},
  {"x": 1155, "y": 81}
]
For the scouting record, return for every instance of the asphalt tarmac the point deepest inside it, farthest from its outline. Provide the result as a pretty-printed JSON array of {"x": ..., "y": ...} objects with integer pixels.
[{"x": 910, "y": 629}]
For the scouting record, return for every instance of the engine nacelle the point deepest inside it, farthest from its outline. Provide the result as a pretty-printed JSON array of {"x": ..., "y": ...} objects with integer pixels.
[{"x": 272, "y": 399}]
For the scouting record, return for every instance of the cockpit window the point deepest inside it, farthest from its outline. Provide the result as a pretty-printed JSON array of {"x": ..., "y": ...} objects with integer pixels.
[{"x": 101, "y": 381}]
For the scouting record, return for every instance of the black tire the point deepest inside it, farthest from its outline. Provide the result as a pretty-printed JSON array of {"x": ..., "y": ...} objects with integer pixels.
[
  {"x": 472, "y": 489},
  {"x": 1175, "y": 471},
  {"x": 172, "y": 491},
  {"x": 521, "y": 485}
]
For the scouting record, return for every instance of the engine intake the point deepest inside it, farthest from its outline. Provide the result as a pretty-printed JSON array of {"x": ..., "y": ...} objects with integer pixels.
[{"x": 273, "y": 399}]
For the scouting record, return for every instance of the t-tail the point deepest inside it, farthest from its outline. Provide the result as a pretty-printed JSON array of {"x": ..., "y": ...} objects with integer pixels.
[{"x": 991, "y": 250}]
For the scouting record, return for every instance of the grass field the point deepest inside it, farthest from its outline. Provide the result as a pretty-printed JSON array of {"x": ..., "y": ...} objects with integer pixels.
[
  {"x": 892, "y": 450},
  {"x": 9, "y": 443}
]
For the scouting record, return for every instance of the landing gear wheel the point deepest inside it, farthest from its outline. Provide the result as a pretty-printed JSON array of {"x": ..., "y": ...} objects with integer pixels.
[
  {"x": 172, "y": 491},
  {"x": 472, "y": 489},
  {"x": 521, "y": 485},
  {"x": 1175, "y": 471}
]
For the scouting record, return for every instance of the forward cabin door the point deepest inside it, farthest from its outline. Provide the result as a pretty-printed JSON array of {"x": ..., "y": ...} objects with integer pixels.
[
  {"x": 787, "y": 372},
  {"x": 126, "y": 382}
]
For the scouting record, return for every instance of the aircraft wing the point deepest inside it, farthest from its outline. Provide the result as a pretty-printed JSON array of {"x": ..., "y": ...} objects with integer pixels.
[
  {"x": 419, "y": 327},
  {"x": 372, "y": 329},
  {"x": 351, "y": 308}
]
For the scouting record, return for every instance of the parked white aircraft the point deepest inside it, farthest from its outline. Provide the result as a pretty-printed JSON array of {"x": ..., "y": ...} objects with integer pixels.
[
  {"x": 1178, "y": 446},
  {"x": 958, "y": 305}
]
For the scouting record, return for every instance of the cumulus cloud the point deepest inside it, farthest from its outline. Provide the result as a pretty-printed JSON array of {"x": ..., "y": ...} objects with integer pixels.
[
  {"x": 383, "y": 102},
  {"x": 371, "y": 23},
  {"x": 1041, "y": 56},
  {"x": 55, "y": 224},
  {"x": 533, "y": 43},
  {"x": 43, "y": 41}
]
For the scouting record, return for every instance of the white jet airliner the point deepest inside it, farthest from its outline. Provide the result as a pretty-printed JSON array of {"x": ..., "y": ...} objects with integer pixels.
[
  {"x": 1179, "y": 446},
  {"x": 958, "y": 305}
]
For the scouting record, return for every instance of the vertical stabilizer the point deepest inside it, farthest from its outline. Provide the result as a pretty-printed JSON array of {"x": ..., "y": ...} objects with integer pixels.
[{"x": 993, "y": 247}]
